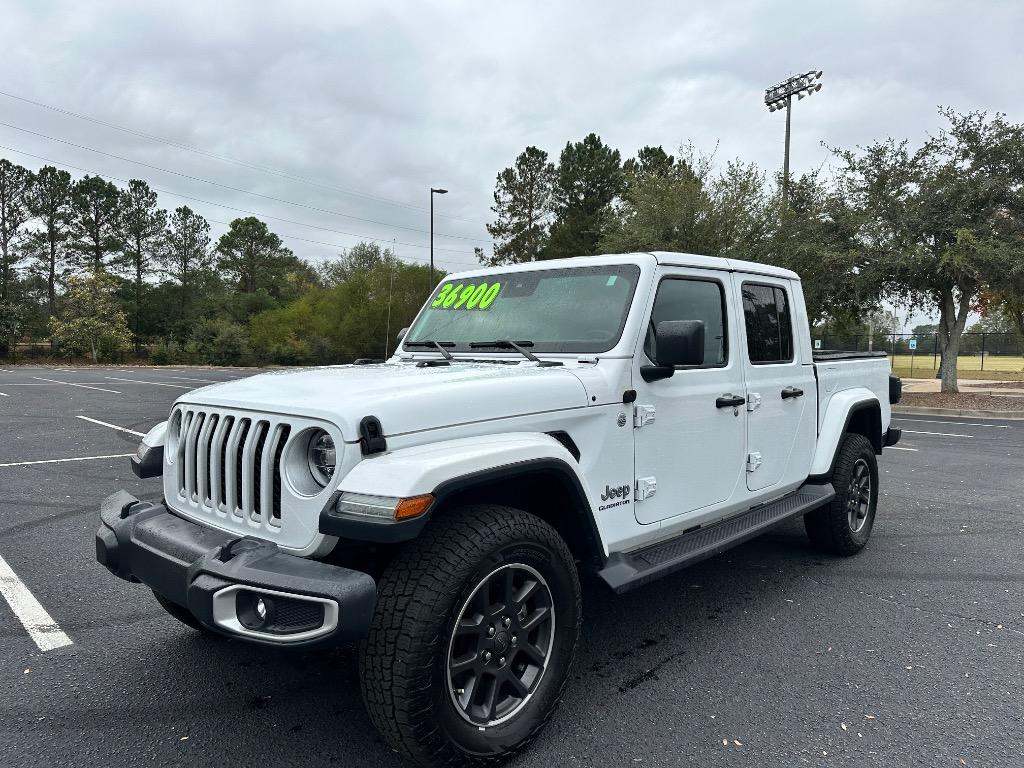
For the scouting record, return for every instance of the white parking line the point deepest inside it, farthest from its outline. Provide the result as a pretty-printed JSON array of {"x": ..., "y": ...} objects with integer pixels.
[
  {"x": 899, "y": 448},
  {"x": 189, "y": 378},
  {"x": 4, "y": 394},
  {"x": 61, "y": 461},
  {"x": 112, "y": 426},
  {"x": 935, "y": 434},
  {"x": 83, "y": 386},
  {"x": 953, "y": 423},
  {"x": 154, "y": 383},
  {"x": 37, "y": 622}
]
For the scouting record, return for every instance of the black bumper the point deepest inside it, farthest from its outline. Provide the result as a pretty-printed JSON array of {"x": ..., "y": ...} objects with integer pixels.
[
  {"x": 892, "y": 436},
  {"x": 218, "y": 576}
]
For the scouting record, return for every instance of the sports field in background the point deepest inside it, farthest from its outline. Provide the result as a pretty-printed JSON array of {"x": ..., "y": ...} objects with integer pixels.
[{"x": 968, "y": 366}]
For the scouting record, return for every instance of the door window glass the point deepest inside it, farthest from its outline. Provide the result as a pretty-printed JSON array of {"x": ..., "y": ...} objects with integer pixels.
[
  {"x": 769, "y": 327},
  {"x": 683, "y": 299}
]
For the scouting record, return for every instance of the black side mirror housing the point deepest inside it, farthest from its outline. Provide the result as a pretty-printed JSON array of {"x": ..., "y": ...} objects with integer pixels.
[{"x": 677, "y": 343}]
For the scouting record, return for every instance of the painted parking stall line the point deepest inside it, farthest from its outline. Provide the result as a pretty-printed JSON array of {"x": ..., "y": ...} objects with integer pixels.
[
  {"x": 43, "y": 630},
  {"x": 154, "y": 383},
  {"x": 899, "y": 448},
  {"x": 953, "y": 423},
  {"x": 112, "y": 426},
  {"x": 64, "y": 461},
  {"x": 72, "y": 384},
  {"x": 934, "y": 434}
]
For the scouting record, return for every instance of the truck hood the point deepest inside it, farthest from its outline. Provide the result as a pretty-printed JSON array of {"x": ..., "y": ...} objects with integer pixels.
[{"x": 405, "y": 397}]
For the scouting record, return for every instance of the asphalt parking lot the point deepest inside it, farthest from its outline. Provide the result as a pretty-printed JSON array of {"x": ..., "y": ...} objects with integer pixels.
[{"x": 909, "y": 654}]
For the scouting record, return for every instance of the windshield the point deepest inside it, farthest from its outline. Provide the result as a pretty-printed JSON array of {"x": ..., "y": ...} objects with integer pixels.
[{"x": 575, "y": 310}]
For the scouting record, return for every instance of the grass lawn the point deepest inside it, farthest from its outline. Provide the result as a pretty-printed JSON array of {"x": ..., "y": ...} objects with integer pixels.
[{"x": 1007, "y": 367}]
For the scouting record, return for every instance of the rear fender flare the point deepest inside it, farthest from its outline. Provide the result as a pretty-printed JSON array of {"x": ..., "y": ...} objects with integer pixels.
[{"x": 841, "y": 409}]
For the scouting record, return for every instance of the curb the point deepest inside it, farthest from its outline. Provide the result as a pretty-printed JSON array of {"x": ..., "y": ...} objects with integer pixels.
[{"x": 911, "y": 410}]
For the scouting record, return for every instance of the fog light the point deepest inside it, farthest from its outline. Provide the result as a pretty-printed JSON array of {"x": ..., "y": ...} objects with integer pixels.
[
  {"x": 254, "y": 611},
  {"x": 261, "y": 609}
]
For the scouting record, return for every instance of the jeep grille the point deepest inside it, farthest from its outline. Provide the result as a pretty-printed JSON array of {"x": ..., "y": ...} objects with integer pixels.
[{"x": 229, "y": 465}]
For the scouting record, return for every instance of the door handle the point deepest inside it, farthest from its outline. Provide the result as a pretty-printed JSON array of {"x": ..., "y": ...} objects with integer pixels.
[
  {"x": 789, "y": 392},
  {"x": 730, "y": 400}
]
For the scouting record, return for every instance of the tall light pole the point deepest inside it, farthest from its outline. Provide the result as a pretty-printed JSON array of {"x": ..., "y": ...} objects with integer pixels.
[
  {"x": 781, "y": 97},
  {"x": 433, "y": 191}
]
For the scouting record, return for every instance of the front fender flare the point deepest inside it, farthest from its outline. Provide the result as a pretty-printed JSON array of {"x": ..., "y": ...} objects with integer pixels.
[{"x": 440, "y": 468}]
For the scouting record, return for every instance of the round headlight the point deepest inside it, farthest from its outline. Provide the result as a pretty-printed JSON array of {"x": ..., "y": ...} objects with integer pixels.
[{"x": 323, "y": 457}]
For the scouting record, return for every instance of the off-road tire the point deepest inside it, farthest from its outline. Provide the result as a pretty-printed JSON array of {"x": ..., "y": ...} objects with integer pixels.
[
  {"x": 829, "y": 527},
  {"x": 184, "y": 615},
  {"x": 403, "y": 661}
]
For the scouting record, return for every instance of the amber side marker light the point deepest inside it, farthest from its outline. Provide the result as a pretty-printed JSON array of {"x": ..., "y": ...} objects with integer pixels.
[{"x": 414, "y": 506}]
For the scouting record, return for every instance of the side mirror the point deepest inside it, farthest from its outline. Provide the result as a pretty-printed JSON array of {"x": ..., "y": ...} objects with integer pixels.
[
  {"x": 676, "y": 343},
  {"x": 401, "y": 334}
]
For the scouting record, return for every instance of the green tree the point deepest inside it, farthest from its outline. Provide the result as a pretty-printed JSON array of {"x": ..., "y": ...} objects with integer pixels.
[
  {"x": 14, "y": 184},
  {"x": 140, "y": 228},
  {"x": 522, "y": 208},
  {"x": 185, "y": 255},
  {"x": 818, "y": 238},
  {"x": 94, "y": 204},
  {"x": 589, "y": 178},
  {"x": 49, "y": 202},
  {"x": 664, "y": 205},
  {"x": 943, "y": 223},
  {"x": 10, "y": 326},
  {"x": 91, "y": 319},
  {"x": 253, "y": 257}
]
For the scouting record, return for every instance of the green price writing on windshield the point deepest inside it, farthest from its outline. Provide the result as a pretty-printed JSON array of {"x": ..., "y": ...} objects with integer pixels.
[{"x": 466, "y": 296}]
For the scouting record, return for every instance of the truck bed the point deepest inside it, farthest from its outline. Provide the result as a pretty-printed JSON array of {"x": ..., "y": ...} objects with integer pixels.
[{"x": 840, "y": 371}]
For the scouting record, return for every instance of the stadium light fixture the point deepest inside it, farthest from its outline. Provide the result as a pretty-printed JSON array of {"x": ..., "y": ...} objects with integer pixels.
[{"x": 780, "y": 96}]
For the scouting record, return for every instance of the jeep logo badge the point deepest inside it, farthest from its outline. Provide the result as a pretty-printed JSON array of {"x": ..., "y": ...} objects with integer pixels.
[{"x": 618, "y": 492}]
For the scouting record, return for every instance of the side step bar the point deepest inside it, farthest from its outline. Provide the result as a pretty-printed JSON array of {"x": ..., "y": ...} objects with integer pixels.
[{"x": 625, "y": 571}]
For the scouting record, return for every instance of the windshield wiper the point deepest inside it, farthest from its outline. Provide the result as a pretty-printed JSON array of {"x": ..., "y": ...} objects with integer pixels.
[
  {"x": 438, "y": 345},
  {"x": 517, "y": 346}
]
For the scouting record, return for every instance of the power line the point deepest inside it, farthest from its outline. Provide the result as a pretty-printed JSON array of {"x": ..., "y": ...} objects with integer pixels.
[
  {"x": 314, "y": 208},
  {"x": 227, "y": 159},
  {"x": 222, "y": 205}
]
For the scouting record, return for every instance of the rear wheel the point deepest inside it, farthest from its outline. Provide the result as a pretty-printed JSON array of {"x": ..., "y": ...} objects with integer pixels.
[
  {"x": 843, "y": 526},
  {"x": 473, "y": 636}
]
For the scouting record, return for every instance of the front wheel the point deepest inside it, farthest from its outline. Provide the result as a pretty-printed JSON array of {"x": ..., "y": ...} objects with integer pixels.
[
  {"x": 843, "y": 526},
  {"x": 473, "y": 636}
]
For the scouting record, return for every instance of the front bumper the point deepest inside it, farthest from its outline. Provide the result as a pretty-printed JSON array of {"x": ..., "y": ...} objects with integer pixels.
[{"x": 222, "y": 578}]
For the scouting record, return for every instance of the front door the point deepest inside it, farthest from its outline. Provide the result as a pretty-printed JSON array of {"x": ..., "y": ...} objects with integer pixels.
[
  {"x": 693, "y": 449},
  {"x": 780, "y": 387}
]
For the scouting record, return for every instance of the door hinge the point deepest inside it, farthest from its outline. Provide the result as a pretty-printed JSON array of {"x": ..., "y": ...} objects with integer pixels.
[
  {"x": 753, "y": 461},
  {"x": 642, "y": 415},
  {"x": 753, "y": 401},
  {"x": 646, "y": 487}
]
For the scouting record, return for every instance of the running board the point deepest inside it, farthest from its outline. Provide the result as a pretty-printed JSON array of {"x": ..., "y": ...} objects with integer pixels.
[{"x": 625, "y": 571}]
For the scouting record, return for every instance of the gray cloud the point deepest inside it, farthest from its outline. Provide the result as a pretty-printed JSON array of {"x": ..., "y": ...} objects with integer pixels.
[{"x": 388, "y": 99}]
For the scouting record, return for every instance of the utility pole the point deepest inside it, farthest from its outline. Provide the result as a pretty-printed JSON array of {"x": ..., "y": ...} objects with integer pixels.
[
  {"x": 781, "y": 97},
  {"x": 433, "y": 191}
]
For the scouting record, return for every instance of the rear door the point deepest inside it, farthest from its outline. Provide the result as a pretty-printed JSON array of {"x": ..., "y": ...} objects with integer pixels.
[{"x": 780, "y": 388}]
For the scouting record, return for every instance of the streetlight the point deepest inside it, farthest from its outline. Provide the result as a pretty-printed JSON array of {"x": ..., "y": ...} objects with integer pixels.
[
  {"x": 433, "y": 191},
  {"x": 781, "y": 96}
]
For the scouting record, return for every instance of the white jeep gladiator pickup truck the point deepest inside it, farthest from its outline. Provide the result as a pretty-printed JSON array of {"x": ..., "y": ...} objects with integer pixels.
[{"x": 623, "y": 415}]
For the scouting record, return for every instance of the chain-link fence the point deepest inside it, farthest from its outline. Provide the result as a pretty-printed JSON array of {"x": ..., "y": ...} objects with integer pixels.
[{"x": 919, "y": 354}]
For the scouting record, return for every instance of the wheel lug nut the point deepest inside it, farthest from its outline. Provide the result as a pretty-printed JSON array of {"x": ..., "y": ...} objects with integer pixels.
[
  {"x": 506, "y": 621},
  {"x": 501, "y": 661},
  {"x": 490, "y": 631},
  {"x": 487, "y": 655},
  {"x": 514, "y": 639}
]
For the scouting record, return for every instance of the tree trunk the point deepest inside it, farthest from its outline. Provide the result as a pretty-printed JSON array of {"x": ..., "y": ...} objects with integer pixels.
[
  {"x": 51, "y": 286},
  {"x": 952, "y": 319}
]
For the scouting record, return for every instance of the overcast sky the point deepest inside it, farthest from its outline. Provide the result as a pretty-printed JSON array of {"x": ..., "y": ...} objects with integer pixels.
[{"x": 375, "y": 102}]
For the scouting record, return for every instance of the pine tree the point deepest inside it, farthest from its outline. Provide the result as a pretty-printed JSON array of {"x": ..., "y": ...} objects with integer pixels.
[
  {"x": 14, "y": 184},
  {"x": 522, "y": 208},
  {"x": 94, "y": 203},
  {"x": 140, "y": 228},
  {"x": 589, "y": 178}
]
